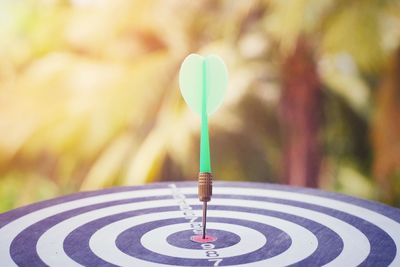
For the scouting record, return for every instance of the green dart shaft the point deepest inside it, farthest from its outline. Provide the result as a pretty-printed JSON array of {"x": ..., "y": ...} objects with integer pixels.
[
  {"x": 205, "y": 185},
  {"x": 205, "y": 163}
]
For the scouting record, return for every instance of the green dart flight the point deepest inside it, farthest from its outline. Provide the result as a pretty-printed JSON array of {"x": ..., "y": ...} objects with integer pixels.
[{"x": 203, "y": 82}]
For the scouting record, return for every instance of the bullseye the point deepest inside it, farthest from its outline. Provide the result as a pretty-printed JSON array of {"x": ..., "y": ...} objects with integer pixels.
[
  {"x": 200, "y": 239},
  {"x": 248, "y": 224}
]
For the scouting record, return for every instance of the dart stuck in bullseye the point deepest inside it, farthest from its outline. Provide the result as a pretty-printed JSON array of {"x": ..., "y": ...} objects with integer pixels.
[{"x": 203, "y": 82}]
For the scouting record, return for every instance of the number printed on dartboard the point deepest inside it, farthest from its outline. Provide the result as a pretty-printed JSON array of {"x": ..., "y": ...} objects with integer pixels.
[{"x": 211, "y": 253}]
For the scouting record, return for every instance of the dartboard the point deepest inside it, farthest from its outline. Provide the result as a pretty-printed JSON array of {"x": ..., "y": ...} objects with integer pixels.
[{"x": 254, "y": 224}]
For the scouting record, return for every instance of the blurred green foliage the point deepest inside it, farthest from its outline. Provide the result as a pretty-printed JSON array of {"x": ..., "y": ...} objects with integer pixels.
[{"x": 89, "y": 94}]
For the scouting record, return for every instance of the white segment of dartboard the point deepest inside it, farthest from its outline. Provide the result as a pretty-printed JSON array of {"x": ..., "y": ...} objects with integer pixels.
[
  {"x": 388, "y": 225},
  {"x": 304, "y": 243},
  {"x": 156, "y": 240},
  {"x": 11, "y": 230},
  {"x": 50, "y": 244}
]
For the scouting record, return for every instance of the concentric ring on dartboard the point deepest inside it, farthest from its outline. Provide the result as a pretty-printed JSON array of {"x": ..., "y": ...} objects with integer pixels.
[
  {"x": 374, "y": 238},
  {"x": 77, "y": 240},
  {"x": 51, "y": 242},
  {"x": 155, "y": 240},
  {"x": 302, "y": 240}
]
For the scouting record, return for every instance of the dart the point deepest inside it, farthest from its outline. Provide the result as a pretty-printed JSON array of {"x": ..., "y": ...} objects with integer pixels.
[{"x": 203, "y": 82}]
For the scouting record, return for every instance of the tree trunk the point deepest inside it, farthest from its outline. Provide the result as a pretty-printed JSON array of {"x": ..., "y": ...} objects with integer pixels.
[
  {"x": 386, "y": 133},
  {"x": 300, "y": 116}
]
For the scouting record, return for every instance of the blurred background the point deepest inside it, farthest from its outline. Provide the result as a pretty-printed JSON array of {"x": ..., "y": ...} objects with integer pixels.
[{"x": 89, "y": 94}]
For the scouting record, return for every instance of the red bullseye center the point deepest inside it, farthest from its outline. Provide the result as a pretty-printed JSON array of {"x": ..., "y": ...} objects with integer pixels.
[{"x": 200, "y": 239}]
